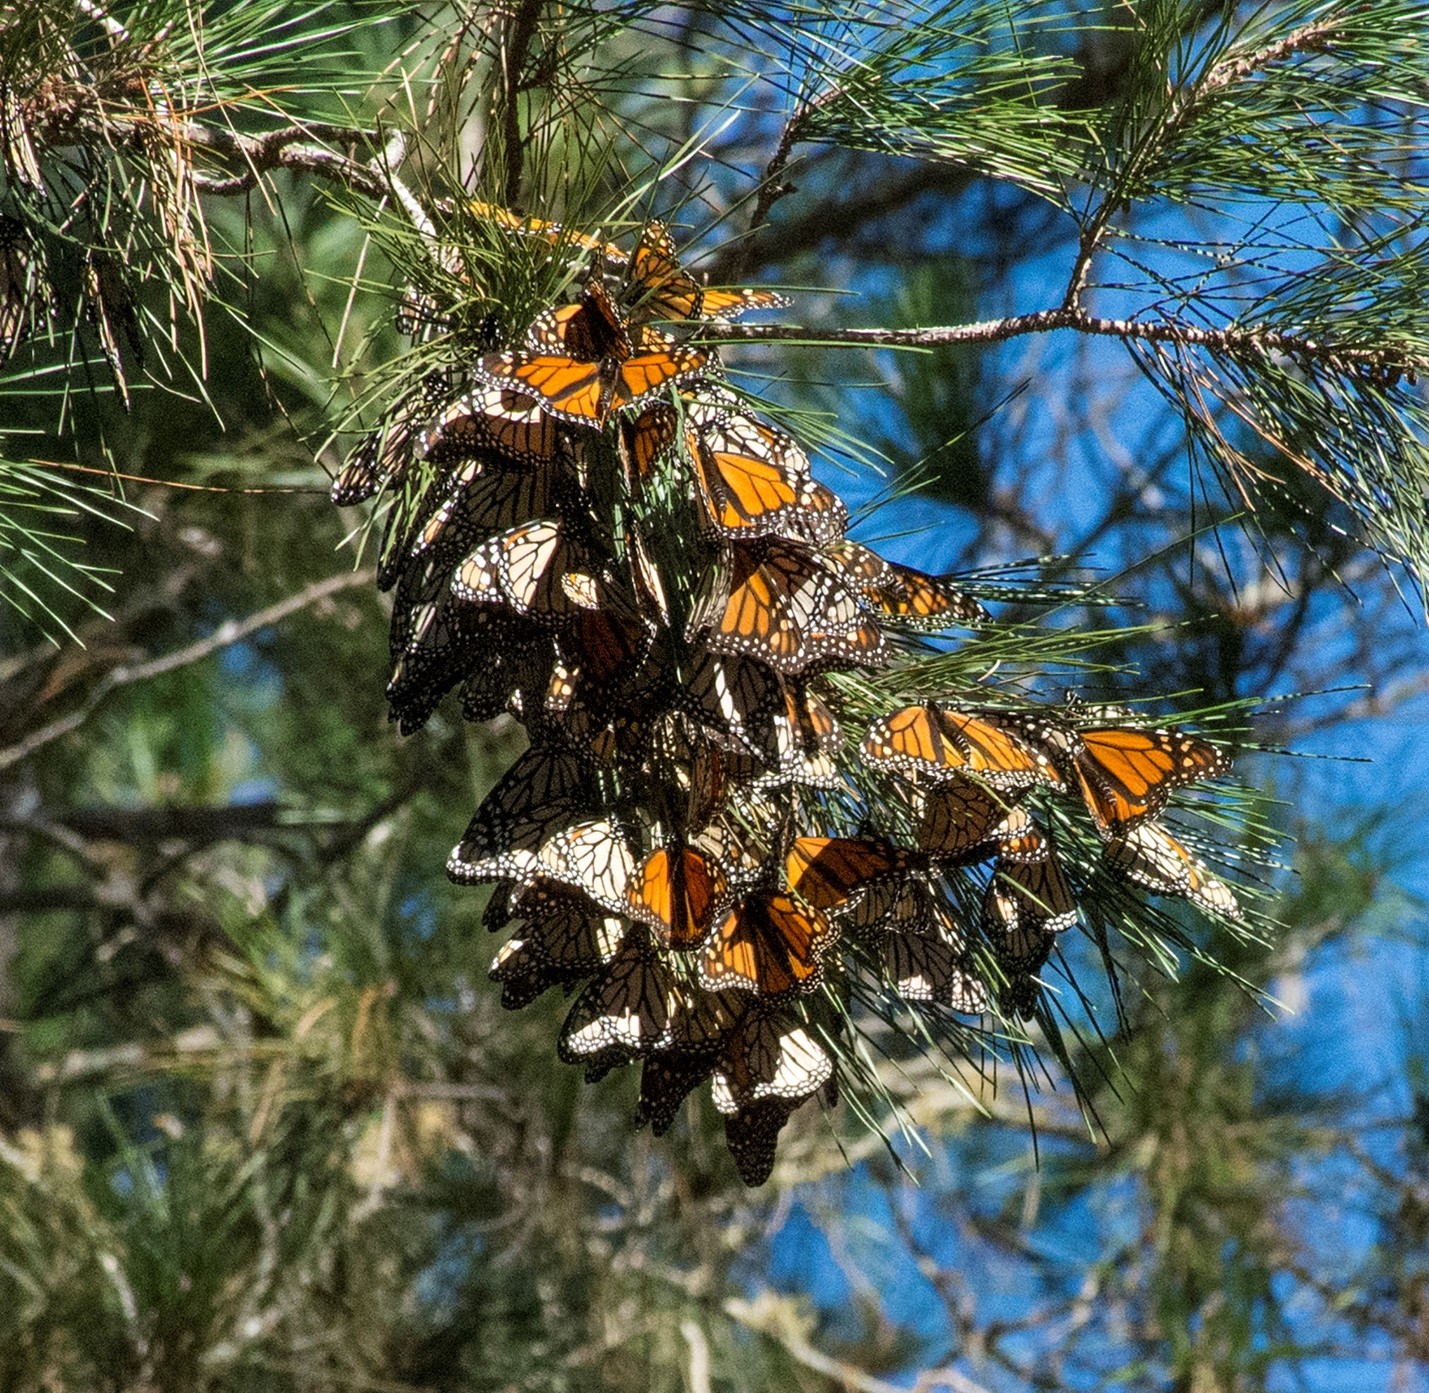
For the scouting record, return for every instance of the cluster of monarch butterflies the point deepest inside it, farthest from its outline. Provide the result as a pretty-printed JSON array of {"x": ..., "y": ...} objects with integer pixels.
[{"x": 595, "y": 535}]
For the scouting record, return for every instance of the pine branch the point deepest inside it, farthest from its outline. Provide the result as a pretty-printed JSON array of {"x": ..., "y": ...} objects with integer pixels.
[
  {"x": 1253, "y": 342},
  {"x": 227, "y": 634},
  {"x": 1189, "y": 102}
]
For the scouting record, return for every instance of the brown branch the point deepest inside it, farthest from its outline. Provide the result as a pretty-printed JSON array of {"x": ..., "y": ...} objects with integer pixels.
[
  {"x": 227, "y": 634},
  {"x": 772, "y": 185},
  {"x": 513, "y": 60},
  {"x": 281, "y": 149},
  {"x": 1254, "y": 341}
]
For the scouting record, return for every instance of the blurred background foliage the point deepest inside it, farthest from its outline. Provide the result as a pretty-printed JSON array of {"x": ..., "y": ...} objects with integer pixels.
[{"x": 262, "y": 1120}]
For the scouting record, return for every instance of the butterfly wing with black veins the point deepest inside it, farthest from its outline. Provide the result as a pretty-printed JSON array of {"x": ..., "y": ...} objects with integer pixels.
[
  {"x": 755, "y": 482},
  {"x": 772, "y": 1067},
  {"x": 596, "y": 857},
  {"x": 582, "y": 363},
  {"x": 625, "y": 1013},
  {"x": 902, "y": 596},
  {"x": 666, "y": 1080},
  {"x": 383, "y": 456},
  {"x": 1149, "y": 856},
  {"x": 778, "y": 603},
  {"x": 769, "y": 944},
  {"x": 797, "y": 745},
  {"x": 828, "y": 872},
  {"x": 1028, "y": 875},
  {"x": 1127, "y": 774},
  {"x": 941, "y": 746},
  {"x": 679, "y": 892},
  {"x": 545, "y": 791},
  {"x": 935, "y": 965},
  {"x": 959, "y": 820},
  {"x": 493, "y": 422},
  {"x": 456, "y": 645},
  {"x": 562, "y": 940},
  {"x": 736, "y": 699}
]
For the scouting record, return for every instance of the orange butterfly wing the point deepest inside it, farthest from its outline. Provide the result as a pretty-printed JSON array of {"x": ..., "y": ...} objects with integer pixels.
[
  {"x": 755, "y": 481},
  {"x": 943, "y": 745},
  {"x": 678, "y": 892},
  {"x": 1127, "y": 774},
  {"x": 827, "y": 872},
  {"x": 768, "y": 944}
]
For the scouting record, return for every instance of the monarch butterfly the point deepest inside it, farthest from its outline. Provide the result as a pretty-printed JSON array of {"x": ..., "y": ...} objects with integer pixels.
[
  {"x": 959, "y": 820},
  {"x": 516, "y": 658},
  {"x": 777, "y": 602},
  {"x": 1020, "y": 995},
  {"x": 754, "y": 480},
  {"x": 583, "y": 365},
  {"x": 752, "y": 1135},
  {"x": 647, "y": 437},
  {"x": 901, "y": 595},
  {"x": 768, "y": 944},
  {"x": 799, "y": 746},
  {"x": 827, "y": 872},
  {"x": 554, "y": 233},
  {"x": 562, "y": 941},
  {"x": 421, "y": 548},
  {"x": 944, "y": 745},
  {"x": 624, "y": 1013},
  {"x": 1150, "y": 856},
  {"x": 595, "y": 857},
  {"x": 898, "y": 905},
  {"x": 448, "y": 647},
  {"x": 1028, "y": 877},
  {"x": 769, "y": 1057},
  {"x": 658, "y": 287},
  {"x": 735, "y": 698},
  {"x": 666, "y": 1080},
  {"x": 533, "y": 569},
  {"x": 926, "y": 967},
  {"x": 383, "y": 456},
  {"x": 492, "y": 421},
  {"x": 1126, "y": 774},
  {"x": 547, "y": 788},
  {"x": 679, "y": 892}
]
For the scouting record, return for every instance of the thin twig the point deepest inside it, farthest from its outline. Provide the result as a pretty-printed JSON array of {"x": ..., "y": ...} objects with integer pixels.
[
  {"x": 1253, "y": 341},
  {"x": 227, "y": 634},
  {"x": 281, "y": 150}
]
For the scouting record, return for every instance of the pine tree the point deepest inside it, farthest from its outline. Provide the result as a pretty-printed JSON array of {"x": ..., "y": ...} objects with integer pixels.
[{"x": 1136, "y": 296}]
